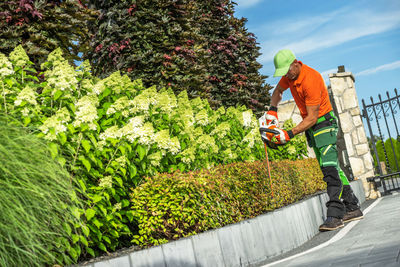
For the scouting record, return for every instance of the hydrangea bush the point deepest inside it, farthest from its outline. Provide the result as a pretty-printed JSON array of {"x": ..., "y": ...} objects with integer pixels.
[{"x": 111, "y": 133}]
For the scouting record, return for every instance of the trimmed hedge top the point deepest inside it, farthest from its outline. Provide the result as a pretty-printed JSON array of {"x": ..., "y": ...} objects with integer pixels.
[{"x": 170, "y": 206}]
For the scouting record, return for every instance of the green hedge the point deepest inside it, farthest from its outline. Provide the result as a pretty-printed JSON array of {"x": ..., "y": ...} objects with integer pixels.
[
  {"x": 110, "y": 133},
  {"x": 170, "y": 206}
]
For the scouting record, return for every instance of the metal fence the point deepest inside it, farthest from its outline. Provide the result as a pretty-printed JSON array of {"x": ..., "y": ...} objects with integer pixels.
[{"x": 382, "y": 119}]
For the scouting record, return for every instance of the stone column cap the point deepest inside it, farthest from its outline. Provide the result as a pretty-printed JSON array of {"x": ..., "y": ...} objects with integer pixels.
[{"x": 342, "y": 74}]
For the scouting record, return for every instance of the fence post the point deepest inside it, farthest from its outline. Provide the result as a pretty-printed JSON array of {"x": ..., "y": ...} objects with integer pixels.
[{"x": 352, "y": 133}]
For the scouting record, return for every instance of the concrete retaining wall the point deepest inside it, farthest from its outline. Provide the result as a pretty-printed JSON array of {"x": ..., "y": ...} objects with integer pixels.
[{"x": 241, "y": 244}]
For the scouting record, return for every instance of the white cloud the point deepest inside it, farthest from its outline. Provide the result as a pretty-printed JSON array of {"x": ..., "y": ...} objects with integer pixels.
[
  {"x": 389, "y": 66},
  {"x": 306, "y": 34},
  {"x": 247, "y": 3}
]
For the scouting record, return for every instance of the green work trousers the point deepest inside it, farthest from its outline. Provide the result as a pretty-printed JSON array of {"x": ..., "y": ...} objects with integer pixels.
[{"x": 322, "y": 137}]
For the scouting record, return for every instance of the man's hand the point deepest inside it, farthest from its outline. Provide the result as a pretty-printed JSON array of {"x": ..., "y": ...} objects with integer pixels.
[
  {"x": 283, "y": 137},
  {"x": 272, "y": 116}
]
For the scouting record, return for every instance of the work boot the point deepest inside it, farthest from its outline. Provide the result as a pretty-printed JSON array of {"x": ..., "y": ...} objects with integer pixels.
[
  {"x": 331, "y": 223},
  {"x": 353, "y": 215}
]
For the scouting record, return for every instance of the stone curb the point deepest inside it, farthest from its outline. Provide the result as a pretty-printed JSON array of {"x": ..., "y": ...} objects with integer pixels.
[{"x": 242, "y": 244}]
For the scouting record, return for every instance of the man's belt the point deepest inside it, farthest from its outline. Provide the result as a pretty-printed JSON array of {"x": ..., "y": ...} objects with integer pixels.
[{"x": 327, "y": 117}]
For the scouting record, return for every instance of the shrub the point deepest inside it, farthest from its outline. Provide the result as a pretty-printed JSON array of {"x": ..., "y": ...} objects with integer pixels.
[
  {"x": 110, "y": 133},
  {"x": 37, "y": 203},
  {"x": 170, "y": 206}
]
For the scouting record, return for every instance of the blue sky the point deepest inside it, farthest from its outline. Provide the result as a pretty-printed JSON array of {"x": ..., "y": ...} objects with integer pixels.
[{"x": 362, "y": 35}]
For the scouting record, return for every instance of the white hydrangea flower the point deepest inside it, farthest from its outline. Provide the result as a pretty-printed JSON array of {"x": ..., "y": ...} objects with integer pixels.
[
  {"x": 99, "y": 87},
  {"x": 61, "y": 76},
  {"x": 291, "y": 150},
  {"x": 25, "y": 112},
  {"x": 155, "y": 158},
  {"x": 221, "y": 130},
  {"x": 164, "y": 141},
  {"x": 113, "y": 132},
  {"x": 6, "y": 67},
  {"x": 206, "y": 142},
  {"x": 251, "y": 137},
  {"x": 106, "y": 182},
  {"x": 247, "y": 118},
  {"x": 229, "y": 154},
  {"x": 19, "y": 57},
  {"x": 117, "y": 206},
  {"x": 28, "y": 95},
  {"x": 142, "y": 102},
  {"x": 119, "y": 105},
  {"x": 202, "y": 117},
  {"x": 144, "y": 134},
  {"x": 121, "y": 161},
  {"x": 86, "y": 111},
  {"x": 165, "y": 102},
  {"x": 101, "y": 144},
  {"x": 188, "y": 155},
  {"x": 57, "y": 122},
  {"x": 132, "y": 127}
]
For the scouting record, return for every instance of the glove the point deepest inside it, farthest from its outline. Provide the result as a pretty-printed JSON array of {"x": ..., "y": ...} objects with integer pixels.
[
  {"x": 283, "y": 136},
  {"x": 272, "y": 116}
]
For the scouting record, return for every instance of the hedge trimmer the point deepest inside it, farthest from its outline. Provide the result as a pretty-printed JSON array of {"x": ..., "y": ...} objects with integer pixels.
[{"x": 266, "y": 132}]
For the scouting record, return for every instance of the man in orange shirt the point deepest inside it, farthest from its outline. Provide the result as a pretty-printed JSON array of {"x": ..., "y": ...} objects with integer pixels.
[{"x": 319, "y": 123}]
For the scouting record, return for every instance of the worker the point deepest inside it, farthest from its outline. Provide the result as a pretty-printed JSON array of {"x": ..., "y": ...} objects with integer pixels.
[{"x": 320, "y": 126}]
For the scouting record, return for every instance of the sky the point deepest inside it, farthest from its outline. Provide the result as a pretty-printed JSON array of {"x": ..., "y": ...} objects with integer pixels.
[{"x": 362, "y": 35}]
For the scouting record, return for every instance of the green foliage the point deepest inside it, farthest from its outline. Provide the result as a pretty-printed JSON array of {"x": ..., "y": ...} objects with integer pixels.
[
  {"x": 42, "y": 26},
  {"x": 193, "y": 46},
  {"x": 170, "y": 206},
  {"x": 391, "y": 155},
  {"x": 110, "y": 133},
  {"x": 38, "y": 202}
]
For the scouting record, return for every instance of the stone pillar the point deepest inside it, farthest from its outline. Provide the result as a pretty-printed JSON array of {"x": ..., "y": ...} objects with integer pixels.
[{"x": 353, "y": 136}]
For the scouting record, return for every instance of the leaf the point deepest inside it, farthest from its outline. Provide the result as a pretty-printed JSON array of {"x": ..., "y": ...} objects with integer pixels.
[
  {"x": 27, "y": 120},
  {"x": 90, "y": 213},
  {"x": 141, "y": 151},
  {"x": 58, "y": 94},
  {"x": 82, "y": 184},
  {"x": 85, "y": 162},
  {"x": 67, "y": 228},
  {"x": 73, "y": 253},
  {"x": 83, "y": 240},
  {"x": 90, "y": 251},
  {"x": 75, "y": 238},
  {"x": 85, "y": 230},
  {"x": 53, "y": 150},
  {"x": 76, "y": 213},
  {"x": 132, "y": 170},
  {"x": 8, "y": 81},
  {"x": 102, "y": 247},
  {"x": 86, "y": 145},
  {"x": 96, "y": 198},
  {"x": 119, "y": 180},
  {"x": 62, "y": 138}
]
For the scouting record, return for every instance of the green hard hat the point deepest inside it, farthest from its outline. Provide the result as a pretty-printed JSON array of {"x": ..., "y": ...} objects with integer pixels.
[{"x": 282, "y": 61}]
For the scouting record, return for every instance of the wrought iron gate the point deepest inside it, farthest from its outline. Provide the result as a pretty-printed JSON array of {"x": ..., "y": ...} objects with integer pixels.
[{"x": 383, "y": 118}]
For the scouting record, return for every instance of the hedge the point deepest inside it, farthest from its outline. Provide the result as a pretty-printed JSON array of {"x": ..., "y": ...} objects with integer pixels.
[{"x": 171, "y": 206}]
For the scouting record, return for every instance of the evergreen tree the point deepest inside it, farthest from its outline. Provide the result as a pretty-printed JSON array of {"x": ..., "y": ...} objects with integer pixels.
[
  {"x": 234, "y": 70},
  {"x": 151, "y": 40},
  {"x": 198, "y": 46},
  {"x": 41, "y": 26}
]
